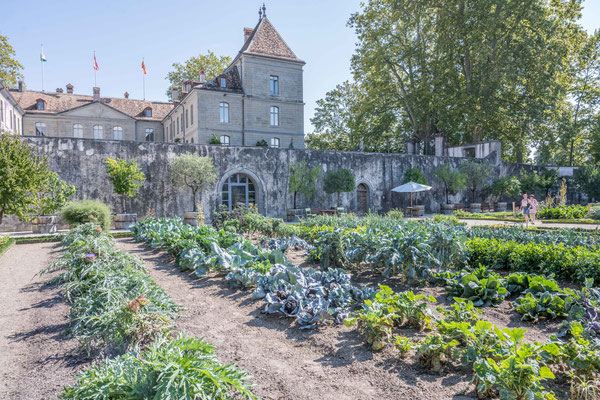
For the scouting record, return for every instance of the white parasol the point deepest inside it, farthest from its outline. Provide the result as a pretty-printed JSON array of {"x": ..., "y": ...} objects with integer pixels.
[{"x": 411, "y": 187}]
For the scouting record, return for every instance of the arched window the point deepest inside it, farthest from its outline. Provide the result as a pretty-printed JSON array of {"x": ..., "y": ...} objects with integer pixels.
[
  {"x": 274, "y": 116},
  {"x": 149, "y": 135},
  {"x": 224, "y": 112},
  {"x": 238, "y": 190},
  {"x": 98, "y": 132},
  {"x": 40, "y": 129},
  {"x": 148, "y": 112},
  {"x": 275, "y": 142},
  {"x": 78, "y": 130},
  {"x": 117, "y": 133},
  {"x": 224, "y": 140}
]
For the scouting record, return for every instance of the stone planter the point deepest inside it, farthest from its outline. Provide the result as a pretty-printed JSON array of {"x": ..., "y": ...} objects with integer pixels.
[
  {"x": 447, "y": 209},
  {"x": 476, "y": 207},
  {"x": 501, "y": 206},
  {"x": 44, "y": 224},
  {"x": 125, "y": 221},
  {"x": 190, "y": 218},
  {"x": 293, "y": 214}
]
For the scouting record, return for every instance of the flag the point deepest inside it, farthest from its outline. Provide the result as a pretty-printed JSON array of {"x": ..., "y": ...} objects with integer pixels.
[
  {"x": 42, "y": 55},
  {"x": 96, "y": 68},
  {"x": 144, "y": 67}
]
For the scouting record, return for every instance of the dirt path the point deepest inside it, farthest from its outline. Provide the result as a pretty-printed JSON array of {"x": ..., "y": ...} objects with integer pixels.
[
  {"x": 288, "y": 363},
  {"x": 34, "y": 355}
]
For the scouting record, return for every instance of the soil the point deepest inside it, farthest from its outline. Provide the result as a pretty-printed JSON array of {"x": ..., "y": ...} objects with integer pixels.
[
  {"x": 332, "y": 362},
  {"x": 36, "y": 360}
]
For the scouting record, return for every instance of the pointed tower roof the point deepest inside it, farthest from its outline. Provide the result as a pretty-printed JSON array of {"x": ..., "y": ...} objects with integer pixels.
[{"x": 266, "y": 41}]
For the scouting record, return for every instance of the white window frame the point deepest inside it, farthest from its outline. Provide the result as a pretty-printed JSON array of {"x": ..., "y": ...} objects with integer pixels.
[
  {"x": 275, "y": 142},
  {"x": 224, "y": 112},
  {"x": 149, "y": 134},
  {"x": 98, "y": 132},
  {"x": 274, "y": 85},
  {"x": 225, "y": 140},
  {"x": 40, "y": 129},
  {"x": 223, "y": 83},
  {"x": 117, "y": 132},
  {"x": 77, "y": 131},
  {"x": 274, "y": 116}
]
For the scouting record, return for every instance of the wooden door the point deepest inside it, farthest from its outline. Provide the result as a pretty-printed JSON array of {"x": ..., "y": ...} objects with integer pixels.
[{"x": 362, "y": 195}]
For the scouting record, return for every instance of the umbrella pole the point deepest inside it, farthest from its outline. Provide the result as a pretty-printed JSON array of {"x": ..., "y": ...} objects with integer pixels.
[{"x": 411, "y": 199}]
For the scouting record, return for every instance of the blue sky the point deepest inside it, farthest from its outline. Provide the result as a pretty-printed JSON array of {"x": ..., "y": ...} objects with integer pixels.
[{"x": 122, "y": 32}]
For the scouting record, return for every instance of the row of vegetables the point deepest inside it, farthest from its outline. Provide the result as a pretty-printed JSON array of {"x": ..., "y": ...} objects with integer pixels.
[{"x": 117, "y": 309}]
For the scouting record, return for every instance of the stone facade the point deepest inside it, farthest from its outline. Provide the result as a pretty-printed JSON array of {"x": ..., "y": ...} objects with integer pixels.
[
  {"x": 80, "y": 162},
  {"x": 11, "y": 113}
]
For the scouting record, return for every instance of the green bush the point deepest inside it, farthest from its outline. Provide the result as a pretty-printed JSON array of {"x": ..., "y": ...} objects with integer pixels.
[
  {"x": 79, "y": 212},
  {"x": 563, "y": 212},
  {"x": 595, "y": 213},
  {"x": 395, "y": 214},
  {"x": 448, "y": 218}
]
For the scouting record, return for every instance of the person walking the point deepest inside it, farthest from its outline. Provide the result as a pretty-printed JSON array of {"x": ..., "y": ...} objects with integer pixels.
[
  {"x": 533, "y": 206},
  {"x": 525, "y": 205}
]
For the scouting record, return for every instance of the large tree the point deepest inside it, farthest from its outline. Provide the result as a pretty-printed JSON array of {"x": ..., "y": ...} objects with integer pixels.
[
  {"x": 211, "y": 63},
  {"x": 10, "y": 68}
]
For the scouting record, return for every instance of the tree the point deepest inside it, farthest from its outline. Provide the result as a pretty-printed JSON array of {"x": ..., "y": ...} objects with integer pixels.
[
  {"x": 192, "y": 171},
  {"x": 10, "y": 68},
  {"x": 303, "y": 179},
  {"x": 530, "y": 181},
  {"x": 212, "y": 65},
  {"x": 508, "y": 185},
  {"x": 54, "y": 195},
  {"x": 452, "y": 179},
  {"x": 126, "y": 177},
  {"x": 478, "y": 175},
  {"x": 414, "y": 175},
  {"x": 261, "y": 143},
  {"x": 337, "y": 181},
  {"x": 23, "y": 177},
  {"x": 588, "y": 179}
]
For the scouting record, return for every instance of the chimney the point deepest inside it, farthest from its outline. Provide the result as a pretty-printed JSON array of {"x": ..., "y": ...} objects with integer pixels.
[
  {"x": 59, "y": 90},
  {"x": 175, "y": 93},
  {"x": 247, "y": 33},
  {"x": 69, "y": 88},
  {"x": 202, "y": 76},
  {"x": 187, "y": 86},
  {"x": 20, "y": 86},
  {"x": 96, "y": 94},
  {"x": 126, "y": 95}
]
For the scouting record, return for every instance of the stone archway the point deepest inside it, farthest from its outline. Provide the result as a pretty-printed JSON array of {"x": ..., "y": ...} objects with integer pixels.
[
  {"x": 240, "y": 187},
  {"x": 364, "y": 192}
]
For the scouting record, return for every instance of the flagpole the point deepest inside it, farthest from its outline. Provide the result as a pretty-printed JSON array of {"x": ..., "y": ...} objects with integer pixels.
[
  {"x": 95, "y": 84},
  {"x": 42, "y": 62}
]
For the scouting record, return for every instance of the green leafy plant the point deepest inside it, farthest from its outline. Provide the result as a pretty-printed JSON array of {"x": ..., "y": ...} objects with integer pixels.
[
  {"x": 262, "y": 143},
  {"x": 126, "y": 177},
  {"x": 452, "y": 179},
  {"x": 303, "y": 179},
  {"x": 506, "y": 185},
  {"x": 338, "y": 181},
  {"x": 84, "y": 211},
  {"x": 214, "y": 140},
  {"x": 480, "y": 286},
  {"x": 54, "y": 195},
  {"x": 414, "y": 175},
  {"x": 478, "y": 175},
  {"x": 434, "y": 350},
  {"x": 403, "y": 345},
  {"x": 194, "y": 172}
]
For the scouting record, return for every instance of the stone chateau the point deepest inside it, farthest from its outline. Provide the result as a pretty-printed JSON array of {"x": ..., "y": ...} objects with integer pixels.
[{"x": 259, "y": 97}]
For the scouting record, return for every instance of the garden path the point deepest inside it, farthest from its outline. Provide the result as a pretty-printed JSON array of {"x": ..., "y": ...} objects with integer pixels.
[
  {"x": 286, "y": 362},
  {"x": 35, "y": 361}
]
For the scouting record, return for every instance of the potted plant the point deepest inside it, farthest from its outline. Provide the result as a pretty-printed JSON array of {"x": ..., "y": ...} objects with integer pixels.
[
  {"x": 303, "y": 179},
  {"x": 452, "y": 180},
  {"x": 52, "y": 197},
  {"x": 127, "y": 178},
  {"x": 505, "y": 185},
  {"x": 193, "y": 172},
  {"x": 337, "y": 181},
  {"x": 478, "y": 175}
]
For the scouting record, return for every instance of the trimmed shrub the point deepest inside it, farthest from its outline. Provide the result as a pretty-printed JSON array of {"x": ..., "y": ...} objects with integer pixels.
[
  {"x": 79, "y": 212},
  {"x": 395, "y": 214},
  {"x": 563, "y": 212}
]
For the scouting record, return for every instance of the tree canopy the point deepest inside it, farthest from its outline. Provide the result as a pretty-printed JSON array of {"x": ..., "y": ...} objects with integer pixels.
[
  {"x": 337, "y": 181},
  {"x": 211, "y": 63},
  {"x": 194, "y": 172},
  {"x": 10, "y": 68},
  {"x": 452, "y": 179},
  {"x": 303, "y": 179},
  {"x": 126, "y": 177}
]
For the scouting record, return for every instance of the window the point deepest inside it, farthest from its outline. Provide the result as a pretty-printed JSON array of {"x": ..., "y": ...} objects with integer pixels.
[
  {"x": 224, "y": 140},
  {"x": 182, "y": 124},
  {"x": 191, "y": 116},
  {"x": 224, "y": 112},
  {"x": 149, "y": 135},
  {"x": 148, "y": 112},
  {"x": 177, "y": 125},
  {"x": 167, "y": 135},
  {"x": 98, "y": 132},
  {"x": 274, "y": 116},
  {"x": 238, "y": 190},
  {"x": 41, "y": 104},
  {"x": 223, "y": 83},
  {"x": 274, "y": 85},
  {"x": 118, "y": 133},
  {"x": 78, "y": 130},
  {"x": 275, "y": 142},
  {"x": 187, "y": 114},
  {"x": 40, "y": 129}
]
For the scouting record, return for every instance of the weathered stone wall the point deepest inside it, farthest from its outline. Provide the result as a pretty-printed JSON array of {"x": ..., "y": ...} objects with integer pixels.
[{"x": 80, "y": 162}]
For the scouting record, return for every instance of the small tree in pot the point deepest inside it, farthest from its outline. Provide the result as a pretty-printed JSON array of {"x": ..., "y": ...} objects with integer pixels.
[
  {"x": 193, "y": 172},
  {"x": 51, "y": 198},
  {"x": 505, "y": 185},
  {"x": 337, "y": 181},
  {"x": 478, "y": 176},
  {"x": 452, "y": 180},
  {"x": 303, "y": 179},
  {"x": 126, "y": 177}
]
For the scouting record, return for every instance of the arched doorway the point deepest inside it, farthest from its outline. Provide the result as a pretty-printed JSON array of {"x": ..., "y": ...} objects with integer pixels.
[
  {"x": 362, "y": 198},
  {"x": 238, "y": 190}
]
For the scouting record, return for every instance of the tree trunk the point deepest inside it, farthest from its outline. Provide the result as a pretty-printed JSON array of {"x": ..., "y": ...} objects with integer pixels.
[
  {"x": 447, "y": 201},
  {"x": 123, "y": 203},
  {"x": 194, "y": 199},
  {"x": 295, "y": 193},
  {"x": 1, "y": 215}
]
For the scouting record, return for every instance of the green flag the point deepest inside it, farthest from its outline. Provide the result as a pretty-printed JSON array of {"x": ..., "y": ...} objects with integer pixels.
[{"x": 42, "y": 55}]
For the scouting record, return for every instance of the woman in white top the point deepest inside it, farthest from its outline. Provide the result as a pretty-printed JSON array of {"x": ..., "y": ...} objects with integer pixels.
[
  {"x": 533, "y": 206},
  {"x": 525, "y": 208}
]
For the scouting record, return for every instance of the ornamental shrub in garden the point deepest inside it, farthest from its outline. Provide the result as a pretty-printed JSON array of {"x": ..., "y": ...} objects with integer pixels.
[
  {"x": 82, "y": 212},
  {"x": 126, "y": 177},
  {"x": 194, "y": 172},
  {"x": 337, "y": 181}
]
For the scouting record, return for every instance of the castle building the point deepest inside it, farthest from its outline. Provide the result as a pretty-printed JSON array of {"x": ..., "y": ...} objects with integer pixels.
[
  {"x": 258, "y": 99},
  {"x": 11, "y": 113}
]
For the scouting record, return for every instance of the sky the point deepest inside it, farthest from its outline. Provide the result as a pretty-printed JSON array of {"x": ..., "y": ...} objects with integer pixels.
[{"x": 163, "y": 32}]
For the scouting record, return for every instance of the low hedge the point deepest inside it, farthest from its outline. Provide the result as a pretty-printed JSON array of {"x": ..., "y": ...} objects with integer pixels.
[
  {"x": 570, "y": 263},
  {"x": 5, "y": 243},
  {"x": 79, "y": 212}
]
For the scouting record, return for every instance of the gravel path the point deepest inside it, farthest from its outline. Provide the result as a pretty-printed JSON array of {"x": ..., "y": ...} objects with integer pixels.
[
  {"x": 34, "y": 356},
  {"x": 286, "y": 362}
]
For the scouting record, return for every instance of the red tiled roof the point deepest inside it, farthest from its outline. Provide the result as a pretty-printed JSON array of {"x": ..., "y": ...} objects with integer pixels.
[
  {"x": 61, "y": 102},
  {"x": 266, "y": 41}
]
